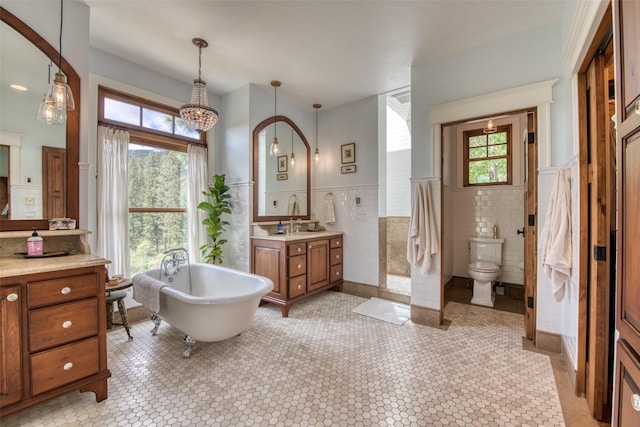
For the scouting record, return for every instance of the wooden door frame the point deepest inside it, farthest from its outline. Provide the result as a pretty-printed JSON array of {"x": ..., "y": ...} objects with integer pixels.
[
  {"x": 531, "y": 208},
  {"x": 593, "y": 298}
]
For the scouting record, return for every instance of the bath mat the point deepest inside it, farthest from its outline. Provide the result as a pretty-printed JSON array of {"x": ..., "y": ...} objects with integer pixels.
[{"x": 385, "y": 310}]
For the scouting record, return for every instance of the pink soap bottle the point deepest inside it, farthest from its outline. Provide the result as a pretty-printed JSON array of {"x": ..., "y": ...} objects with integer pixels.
[{"x": 35, "y": 245}]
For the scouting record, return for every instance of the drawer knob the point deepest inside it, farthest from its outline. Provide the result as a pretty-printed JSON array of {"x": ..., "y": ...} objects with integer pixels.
[
  {"x": 338, "y": 243},
  {"x": 337, "y": 256},
  {"x": 299, "y": 286},
  {"x": 67, "y": 366},
  {"x": 65, "y": 291},
  {"x": 299, "y": 266},
  {"x": 337, "y": 273},
  {"x": 635, "y": 402},
  {"x": 299, "y": 249},
  {"x": 67, "y": 324},
  {"x": 12, "y": 297},
  {"x": 638, "y": 107}
]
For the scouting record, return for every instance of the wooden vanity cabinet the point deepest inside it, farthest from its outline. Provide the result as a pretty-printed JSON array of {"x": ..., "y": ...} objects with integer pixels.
[
  {"x": 11, "y": 355},
  {"x": 298, "y": 268},
  {"x": 53, "y": 336}
]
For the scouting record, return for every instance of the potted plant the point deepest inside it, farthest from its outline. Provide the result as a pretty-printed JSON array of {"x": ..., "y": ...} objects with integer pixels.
[{"x": 217, "y": 205}]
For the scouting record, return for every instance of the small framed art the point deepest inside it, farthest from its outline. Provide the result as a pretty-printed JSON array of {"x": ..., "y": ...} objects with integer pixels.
[
  {"x": 348, "y": 169},
  {"x": 282, "y": 164},
  {"x": 282, "y": 177},
  {"x": 348, "y": 153}
]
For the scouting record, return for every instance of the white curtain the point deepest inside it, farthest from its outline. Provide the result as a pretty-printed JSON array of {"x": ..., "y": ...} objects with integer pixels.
[
  {"x": 196, "y": 183},
  {"x": 113, "y": 199}
]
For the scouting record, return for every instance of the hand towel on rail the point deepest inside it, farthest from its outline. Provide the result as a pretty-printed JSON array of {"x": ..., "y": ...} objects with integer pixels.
[
  {"x": 292, "y": 207},
  {"x": 555, "y": 238},
  {"x": 329, "y": 210},
  {"x": 146, "y": 290},
  {"x": 422, "y": 241}
]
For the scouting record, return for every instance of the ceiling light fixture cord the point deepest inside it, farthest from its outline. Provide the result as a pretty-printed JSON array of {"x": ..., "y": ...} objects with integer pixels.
[{"x": 60, "y": 39}]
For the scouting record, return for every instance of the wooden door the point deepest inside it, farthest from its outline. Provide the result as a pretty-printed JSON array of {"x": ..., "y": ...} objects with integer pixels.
[
  {"x": 54, "y": 185},
  {"x": 600, "y": 209},
  {"x": 627, "y": 387},
  {"x": 530, "y": 220}
]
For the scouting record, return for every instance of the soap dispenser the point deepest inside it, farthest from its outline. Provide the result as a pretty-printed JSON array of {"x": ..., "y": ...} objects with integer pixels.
[
  {"x": 35, "y": 245},
  {"x": 280, "y": 227}
]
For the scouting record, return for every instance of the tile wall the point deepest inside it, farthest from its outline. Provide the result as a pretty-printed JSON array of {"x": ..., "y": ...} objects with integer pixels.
[
  {"x": 359, "y": 222},
  {"x": 474, "y": 213}
]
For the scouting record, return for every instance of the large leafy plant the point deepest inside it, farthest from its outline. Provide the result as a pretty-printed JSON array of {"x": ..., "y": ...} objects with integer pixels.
[{"x": 217, "y": 204}]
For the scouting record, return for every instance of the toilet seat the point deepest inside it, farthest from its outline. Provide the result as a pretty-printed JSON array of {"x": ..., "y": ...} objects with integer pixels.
[{"x": 484, "y": 267}]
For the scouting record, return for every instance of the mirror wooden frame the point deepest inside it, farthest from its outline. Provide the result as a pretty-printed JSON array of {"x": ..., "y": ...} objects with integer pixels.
[
  {"x": 72, "y": 202},
  {"x": 256, "y": 141}
]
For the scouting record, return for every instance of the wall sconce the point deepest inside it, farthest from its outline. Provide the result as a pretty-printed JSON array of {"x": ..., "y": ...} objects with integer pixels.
[{"x": 491, "y": 127}]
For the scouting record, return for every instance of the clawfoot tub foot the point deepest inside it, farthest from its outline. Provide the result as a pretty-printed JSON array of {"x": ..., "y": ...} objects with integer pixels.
[
  {"x": 156, "y": 321},
  {"x": 189, "y": 342}
]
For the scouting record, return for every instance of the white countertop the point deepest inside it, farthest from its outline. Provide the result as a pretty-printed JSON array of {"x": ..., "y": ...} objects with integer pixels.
[
  {"x": 303, "y": 235},
  {"x": 19, "y": 266}
]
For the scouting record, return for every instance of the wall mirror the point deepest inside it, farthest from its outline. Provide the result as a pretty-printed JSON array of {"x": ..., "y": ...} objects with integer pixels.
[
  {"x": 32, "y": 198},
  {"x": 281, "y": 190}
]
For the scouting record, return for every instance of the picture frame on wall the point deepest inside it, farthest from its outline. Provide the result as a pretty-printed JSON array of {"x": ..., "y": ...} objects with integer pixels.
[
  {"x": 348, "y": 169},
  {"x": 283, "y": 163},
  {"x": 282, "y": 177},
  {"x": 348, "y": 152}
]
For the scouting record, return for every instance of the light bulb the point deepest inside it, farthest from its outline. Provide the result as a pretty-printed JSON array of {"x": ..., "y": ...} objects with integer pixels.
[
  {"x": 293, "y": 160},
  {"x": 317, "y": 155},
  {"x": 273, "y": 150}
]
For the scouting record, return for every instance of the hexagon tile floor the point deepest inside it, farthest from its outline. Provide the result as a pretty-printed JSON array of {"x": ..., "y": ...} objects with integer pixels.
[{"x": 324, "y": 365}]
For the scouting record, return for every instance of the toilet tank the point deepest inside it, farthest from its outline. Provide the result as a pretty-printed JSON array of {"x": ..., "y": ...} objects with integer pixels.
[{"x": 486, "y": 249}]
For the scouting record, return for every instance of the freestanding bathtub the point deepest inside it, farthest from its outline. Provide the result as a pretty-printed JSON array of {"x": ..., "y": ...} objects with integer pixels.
[{"x": 216, "y": 304}]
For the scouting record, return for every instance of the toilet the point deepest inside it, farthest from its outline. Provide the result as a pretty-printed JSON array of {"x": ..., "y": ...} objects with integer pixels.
[{"x": 484, "y": 269}]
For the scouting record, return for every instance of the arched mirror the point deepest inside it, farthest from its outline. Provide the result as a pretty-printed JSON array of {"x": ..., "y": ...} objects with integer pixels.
[
  {"x": 41, "y": 173},
  {"x": 281, "y": 189}
]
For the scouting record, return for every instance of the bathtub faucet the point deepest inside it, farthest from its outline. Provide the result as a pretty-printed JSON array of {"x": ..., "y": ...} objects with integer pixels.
[{"x": 172, "y": 260}]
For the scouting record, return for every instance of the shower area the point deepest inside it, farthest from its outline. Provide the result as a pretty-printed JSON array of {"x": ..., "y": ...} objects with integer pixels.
[{"x": 395, "y": 192}]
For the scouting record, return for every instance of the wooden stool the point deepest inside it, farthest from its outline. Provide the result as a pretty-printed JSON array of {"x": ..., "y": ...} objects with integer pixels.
[{"x": 117, "y": 297}]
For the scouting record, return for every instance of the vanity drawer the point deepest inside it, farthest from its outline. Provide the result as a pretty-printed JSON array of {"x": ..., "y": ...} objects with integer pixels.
[
  {"x": 336, "y": 242},
  {"x": 297, "y": 286},
  {"x": 63, "y": 365},
  {"x": 297, "y": 265},
  {"x": 336, "y": 273},
  {"x": 297, "y": 249},
  {"x": 49, "y": 292},
  {"x": 62, "y": 324},
  {"x": 336, "y": 256}
]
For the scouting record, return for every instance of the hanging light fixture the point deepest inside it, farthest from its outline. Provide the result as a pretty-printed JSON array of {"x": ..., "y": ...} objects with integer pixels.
[
  {"x": 491, "y": 128},
  {"x": 317, "y": 152},
  {"x": 197, "y": 115},
  {"x": 58, "y": 95},
  {"x": 47, "y": 112},
  {"x": 273, "y": 150},
  {"x": 293, "y": 156}
]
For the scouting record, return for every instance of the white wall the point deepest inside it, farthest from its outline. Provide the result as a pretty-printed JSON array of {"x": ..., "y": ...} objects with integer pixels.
[{"x": 356, "y": 122}]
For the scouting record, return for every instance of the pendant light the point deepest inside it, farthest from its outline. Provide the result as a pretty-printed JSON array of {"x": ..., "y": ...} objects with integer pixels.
[
  {"x": 491, "y": 128},
  {"x": 317, "y": 152},
  {"x": 273, "y": 150},
  {"x": 197, "y": 115},
  {"x": 47, "y": 112},
  {"x": 293, "y": 156},
  {"x": 58, "y": 95}
]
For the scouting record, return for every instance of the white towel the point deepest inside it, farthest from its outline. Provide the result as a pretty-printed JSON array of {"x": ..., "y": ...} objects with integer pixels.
[
  {"x": 422, "y": 241},
  {"x": 292, "y": 208},
  {"x": 555, "y": 238},
  {"x": 146, "y": 290},
  {"x": 329, "y": 209}
]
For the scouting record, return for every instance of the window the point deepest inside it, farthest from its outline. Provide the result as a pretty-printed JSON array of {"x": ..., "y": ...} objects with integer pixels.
[
  {"x": 157, "y": 174},
  {"x": 487, "y": 157}
]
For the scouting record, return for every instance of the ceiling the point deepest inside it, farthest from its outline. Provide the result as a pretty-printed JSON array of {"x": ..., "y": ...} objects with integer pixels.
[{"x": 328, "y": 52}]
